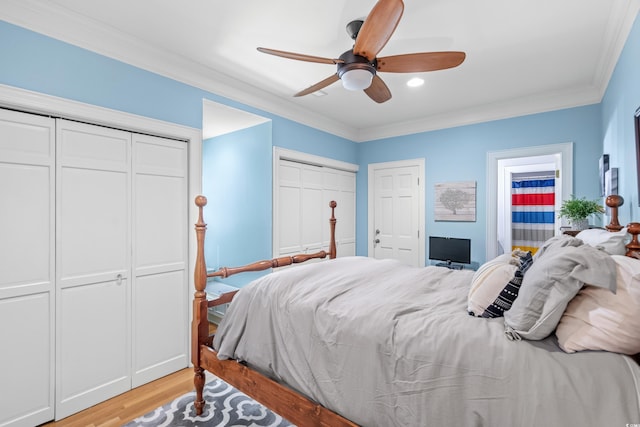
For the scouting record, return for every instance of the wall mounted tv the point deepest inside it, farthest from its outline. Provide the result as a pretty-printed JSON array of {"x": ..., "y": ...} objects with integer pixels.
[{"x": 451, "y": 250}]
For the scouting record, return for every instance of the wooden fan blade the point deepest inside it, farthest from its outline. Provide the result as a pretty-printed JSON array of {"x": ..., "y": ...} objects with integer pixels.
[
  {"x": 378, "y": 28},
  {"x": 316, "y": 87},
  {"x": 378, "y": 91},
  {"x": 419, "y": 62},
  {"x": 300, "y": 56}
]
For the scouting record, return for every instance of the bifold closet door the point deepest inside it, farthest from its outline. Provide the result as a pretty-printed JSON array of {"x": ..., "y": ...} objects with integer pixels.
[
  {"x": 159, "y": 286},
  {"x": 27, "y": 262},
  {"x": 93, "y": 216}
]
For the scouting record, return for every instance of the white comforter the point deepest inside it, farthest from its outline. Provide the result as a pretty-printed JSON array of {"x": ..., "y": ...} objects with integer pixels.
[{"x": 389, "y": 345}]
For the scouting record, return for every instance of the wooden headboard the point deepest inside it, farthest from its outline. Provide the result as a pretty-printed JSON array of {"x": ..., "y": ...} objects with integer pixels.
[{"x": 633, "y": 247}]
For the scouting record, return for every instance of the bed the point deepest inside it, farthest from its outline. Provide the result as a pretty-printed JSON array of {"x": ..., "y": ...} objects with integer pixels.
[{"x": 357, "y": 341}]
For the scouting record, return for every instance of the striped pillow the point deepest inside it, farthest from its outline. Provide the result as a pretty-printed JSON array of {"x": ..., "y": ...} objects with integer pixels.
[{"x": 495, "y": 285}]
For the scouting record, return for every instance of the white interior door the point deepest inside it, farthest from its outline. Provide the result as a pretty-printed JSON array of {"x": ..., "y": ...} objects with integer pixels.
[
  {"x": 93, "y": 204},
  {"x": 27, "y": 262},
  {"x": 159, "y": 285},
  {"x": 396, "y": 223}
]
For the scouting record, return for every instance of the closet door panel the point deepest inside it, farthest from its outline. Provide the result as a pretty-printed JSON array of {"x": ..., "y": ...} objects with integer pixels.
[
  {"x": 26, "y": 229},
  {"x": 93, "y": 205},
  {"x": 94, "y": 225},
  {"x": 160, "y": 285},
  {"x": 26, "y": 380},
  {"x": 27, "y": 262},
  {"x": 94, "y": 361}
]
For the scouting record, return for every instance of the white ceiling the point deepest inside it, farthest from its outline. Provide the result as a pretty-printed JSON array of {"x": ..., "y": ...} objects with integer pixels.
[{"x": 522, "y": 56}]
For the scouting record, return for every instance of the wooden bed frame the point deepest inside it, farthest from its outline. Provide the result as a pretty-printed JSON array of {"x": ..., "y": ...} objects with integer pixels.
[{"x": 284, "y": 401}]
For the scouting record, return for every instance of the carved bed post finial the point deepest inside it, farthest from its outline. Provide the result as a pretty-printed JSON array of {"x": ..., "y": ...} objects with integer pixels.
[
  {"x": 332, "y": 223},
  {"x": 614, "y": 201},
  {"x": 633, "y": 247}
]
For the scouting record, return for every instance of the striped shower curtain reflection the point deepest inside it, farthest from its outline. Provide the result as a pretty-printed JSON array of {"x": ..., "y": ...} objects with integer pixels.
[{"x": 532, "y": 209}]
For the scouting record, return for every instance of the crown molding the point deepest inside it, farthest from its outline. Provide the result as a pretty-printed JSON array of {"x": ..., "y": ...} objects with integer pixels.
[
  {"x": 67, "y": 26},
  {"x": 523, "y": 106},
  {"x": 78, "y": 30}
]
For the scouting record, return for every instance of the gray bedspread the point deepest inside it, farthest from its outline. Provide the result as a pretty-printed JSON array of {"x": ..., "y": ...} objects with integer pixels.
[{"x": 389, "y": 345}]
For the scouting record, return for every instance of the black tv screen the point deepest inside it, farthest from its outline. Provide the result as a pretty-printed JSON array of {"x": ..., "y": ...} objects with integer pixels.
[{"x": 450, "y": 249}]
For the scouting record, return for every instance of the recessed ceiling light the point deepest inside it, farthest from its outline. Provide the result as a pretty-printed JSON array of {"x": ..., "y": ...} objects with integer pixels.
[{"x": 415, "y": 82}]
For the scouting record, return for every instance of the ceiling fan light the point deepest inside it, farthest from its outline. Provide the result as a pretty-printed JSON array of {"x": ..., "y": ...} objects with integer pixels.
[
  {"x": 357, "y": 79},
  {"x": 415, "y": 82}
]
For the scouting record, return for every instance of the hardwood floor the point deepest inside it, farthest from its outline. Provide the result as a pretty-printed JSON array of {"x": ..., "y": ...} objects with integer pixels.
[{"x": 130, "y": 405}]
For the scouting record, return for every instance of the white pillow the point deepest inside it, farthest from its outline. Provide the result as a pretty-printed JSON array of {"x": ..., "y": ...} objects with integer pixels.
[
  {"x": 495, "y": 285},
  {"x": 611, "y": 242},
  {"x": 597, "y": 319}
]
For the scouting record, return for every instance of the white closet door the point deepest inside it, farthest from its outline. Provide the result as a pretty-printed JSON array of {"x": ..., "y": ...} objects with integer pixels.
[
  {"x": 160, "y": 285},
  {"x": 27, "y": 292},
  {"x": 304, "y": 193},
  {"x": 93, "y": 205},
  {"x": 341, "y": 187}
]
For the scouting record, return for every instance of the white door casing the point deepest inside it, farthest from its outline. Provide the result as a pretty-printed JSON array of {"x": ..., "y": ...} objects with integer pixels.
[
  {"x": 396, "y": 211},
  {"x": 564, "y": 151},
  {"x": 41, "y": 325}
]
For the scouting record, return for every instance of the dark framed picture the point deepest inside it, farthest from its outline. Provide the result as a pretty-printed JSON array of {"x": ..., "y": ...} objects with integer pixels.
[
  {"x": 604, "y": 167},
  {"x": 636, "y": 119}
]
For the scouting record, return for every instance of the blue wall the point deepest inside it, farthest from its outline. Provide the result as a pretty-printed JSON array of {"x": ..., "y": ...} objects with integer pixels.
[
  {"x": 459, "y": 154},
  {"x": 35, "y": 62},
  {"x": 619, "y": 104},
  {"x": 241, "y": 208}
]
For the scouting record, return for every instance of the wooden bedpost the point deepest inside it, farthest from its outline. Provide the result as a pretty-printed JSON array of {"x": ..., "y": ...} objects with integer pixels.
[
  {"x": 199, "y": 325},
  {"x": 332, "y": 224},
  {"x": 633, "y": 247},
  {"x": 614, "y": 201}
]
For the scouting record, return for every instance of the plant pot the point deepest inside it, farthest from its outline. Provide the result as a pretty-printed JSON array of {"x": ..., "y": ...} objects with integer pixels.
[{"x": 579, "y": 224}]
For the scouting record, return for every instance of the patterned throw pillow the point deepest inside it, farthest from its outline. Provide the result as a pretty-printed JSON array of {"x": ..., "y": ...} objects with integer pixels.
[{"x": 495, "y": 285}]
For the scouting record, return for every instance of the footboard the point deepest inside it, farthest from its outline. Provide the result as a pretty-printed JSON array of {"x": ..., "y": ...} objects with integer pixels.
[{"x": 294, "y": 407}]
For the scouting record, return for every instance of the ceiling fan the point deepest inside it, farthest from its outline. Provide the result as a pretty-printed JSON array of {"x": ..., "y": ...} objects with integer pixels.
[{"x": 358, "y": 67}]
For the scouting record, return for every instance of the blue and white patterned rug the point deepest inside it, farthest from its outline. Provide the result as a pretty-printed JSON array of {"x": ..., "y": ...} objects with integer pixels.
[{"x": 225, "y": 406}]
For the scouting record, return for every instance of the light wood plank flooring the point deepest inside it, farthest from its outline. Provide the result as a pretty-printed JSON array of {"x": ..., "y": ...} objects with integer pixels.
[{"x": 132, "y": 404}]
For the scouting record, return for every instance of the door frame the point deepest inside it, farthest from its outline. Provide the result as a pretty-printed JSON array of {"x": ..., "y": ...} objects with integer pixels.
[
  {"x": 565, "y": 150},
  {"x": 40, "y": 103},
  {"x": 372, "y": 168}
]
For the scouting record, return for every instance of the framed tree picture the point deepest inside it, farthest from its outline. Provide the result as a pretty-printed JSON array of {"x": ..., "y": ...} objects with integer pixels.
[{"x": 455, "y": 201}]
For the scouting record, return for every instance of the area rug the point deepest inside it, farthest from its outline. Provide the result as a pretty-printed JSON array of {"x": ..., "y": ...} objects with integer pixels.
[{"x": 225, "y": 406}]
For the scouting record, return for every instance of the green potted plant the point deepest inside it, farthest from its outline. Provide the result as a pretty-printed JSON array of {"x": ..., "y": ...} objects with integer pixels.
[{"x": 578, "y": 211}]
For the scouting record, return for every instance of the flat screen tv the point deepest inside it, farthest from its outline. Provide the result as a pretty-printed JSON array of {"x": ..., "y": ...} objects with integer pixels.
[{"x": 451, "y": 250}]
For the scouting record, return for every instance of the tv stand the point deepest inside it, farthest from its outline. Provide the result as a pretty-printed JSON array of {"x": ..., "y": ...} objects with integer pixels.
[{"x": 450, "y": 265}]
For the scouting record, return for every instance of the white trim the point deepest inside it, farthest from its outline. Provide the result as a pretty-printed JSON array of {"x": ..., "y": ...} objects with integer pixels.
[
  {"x": 300, "y": 157},
  {"x": 566, "y": 152},
  {"x": 34, "y": 102},
  {"x": 421, "y": 208},
  {"x": 296, "y": 156},
  {"x": 71, "y": 27}
]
